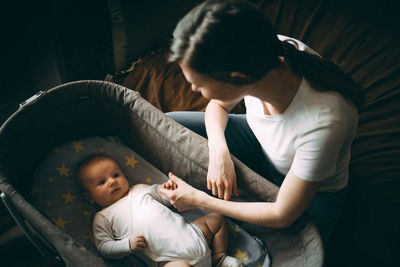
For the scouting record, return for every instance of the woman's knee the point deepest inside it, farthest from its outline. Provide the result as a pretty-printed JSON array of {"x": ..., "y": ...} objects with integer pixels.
[{"x": 192, "y": 120}]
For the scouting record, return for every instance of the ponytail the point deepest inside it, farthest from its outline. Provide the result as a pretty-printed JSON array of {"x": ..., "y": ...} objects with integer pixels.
[
  {"x": 322, "y": 74},
  {"x": 219, "y": 37}
]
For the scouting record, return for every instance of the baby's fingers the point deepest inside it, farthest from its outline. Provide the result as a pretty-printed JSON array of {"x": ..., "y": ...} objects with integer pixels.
[{"x": 172, "y": 185}]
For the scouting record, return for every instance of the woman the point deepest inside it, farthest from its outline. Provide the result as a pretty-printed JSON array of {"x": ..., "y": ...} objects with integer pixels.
[{"x": 301, "y": 116}]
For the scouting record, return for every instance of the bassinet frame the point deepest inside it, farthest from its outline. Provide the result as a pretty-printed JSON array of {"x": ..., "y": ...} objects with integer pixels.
[{"x": 97, "y": 108}]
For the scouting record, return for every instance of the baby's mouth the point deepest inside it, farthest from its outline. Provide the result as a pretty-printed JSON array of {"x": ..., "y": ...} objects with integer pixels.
[{"x": 115, "y": 191}]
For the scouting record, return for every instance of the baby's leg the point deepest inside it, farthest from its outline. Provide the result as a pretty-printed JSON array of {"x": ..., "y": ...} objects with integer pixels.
[
  {"x": 176, "y": 264},
  {"x": 213, "y": 226}
]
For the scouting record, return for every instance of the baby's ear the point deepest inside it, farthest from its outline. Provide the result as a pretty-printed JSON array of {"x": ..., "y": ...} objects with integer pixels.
[{"x": 87, "y": 196}]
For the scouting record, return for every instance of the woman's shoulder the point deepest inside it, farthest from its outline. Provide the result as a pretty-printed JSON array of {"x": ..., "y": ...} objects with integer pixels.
[{"x": 327, "y": 106}]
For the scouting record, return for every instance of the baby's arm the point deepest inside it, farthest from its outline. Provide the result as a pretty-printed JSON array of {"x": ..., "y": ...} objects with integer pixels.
[
  {"x": 154, "y": 192},
  {"x": 104, "y": 239}
]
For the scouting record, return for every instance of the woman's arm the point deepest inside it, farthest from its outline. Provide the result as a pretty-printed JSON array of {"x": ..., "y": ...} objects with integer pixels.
[
  {"x": 221, "y": 177},
  {"x": 293, "y": 198}
]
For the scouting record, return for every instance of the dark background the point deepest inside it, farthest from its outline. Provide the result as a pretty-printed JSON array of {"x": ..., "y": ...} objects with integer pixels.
[{"x": 48, "y": 43}]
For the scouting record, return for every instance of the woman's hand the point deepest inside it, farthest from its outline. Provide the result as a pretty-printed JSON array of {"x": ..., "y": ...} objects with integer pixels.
[
  {"x": 221, "y": 176},
  {"x": 137, "y": 243},
  {"x": 182, "y": 196}
]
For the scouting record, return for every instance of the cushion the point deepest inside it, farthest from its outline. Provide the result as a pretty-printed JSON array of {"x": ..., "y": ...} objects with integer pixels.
[{"x": 163, "y": 84}]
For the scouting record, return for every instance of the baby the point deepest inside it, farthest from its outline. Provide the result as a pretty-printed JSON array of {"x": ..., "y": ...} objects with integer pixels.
[{"x": 136, "y": 220}]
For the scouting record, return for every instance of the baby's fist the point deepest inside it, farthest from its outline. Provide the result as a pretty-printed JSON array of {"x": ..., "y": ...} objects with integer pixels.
[
  {"x": 137, "y": 242},
  {"x": 169, "y": 185}
]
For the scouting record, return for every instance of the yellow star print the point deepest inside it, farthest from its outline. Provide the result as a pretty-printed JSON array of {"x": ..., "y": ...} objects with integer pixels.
[
  {"x": 241, "y": 255},
  {"x": 85, "y": 212},
  {"x": 68, "y": 198},
  {"x": 78, "y": 146},
  {"x": 131, "y": 161},
  {"x": 233, "y": 229},
  {"x": 60, "y": 222},
  {"x": 63, "y": 170},
  {"x": 148, "y": 180},
  {"x": 259, "y": 264},
  {"x": 101, "y": 150}
]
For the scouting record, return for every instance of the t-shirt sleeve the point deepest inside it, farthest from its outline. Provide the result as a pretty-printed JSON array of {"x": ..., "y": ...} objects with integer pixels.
[
  {"x": 104, "y": 239},
  {"x": 317, "y": 152}
]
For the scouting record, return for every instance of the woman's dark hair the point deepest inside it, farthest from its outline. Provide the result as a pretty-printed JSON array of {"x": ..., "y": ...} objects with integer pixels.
[{"x": 219, "y": 37}]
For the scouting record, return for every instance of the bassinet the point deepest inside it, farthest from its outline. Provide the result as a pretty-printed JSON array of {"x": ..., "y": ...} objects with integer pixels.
[{"x": 87, "y": 108}]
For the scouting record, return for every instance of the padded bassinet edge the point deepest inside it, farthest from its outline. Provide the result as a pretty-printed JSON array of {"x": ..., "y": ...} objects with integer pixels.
[{"x": 173, "y": 147}]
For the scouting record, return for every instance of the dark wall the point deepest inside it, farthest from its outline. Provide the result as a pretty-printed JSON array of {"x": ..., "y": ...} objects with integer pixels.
[{"x": 47, "y": 43}]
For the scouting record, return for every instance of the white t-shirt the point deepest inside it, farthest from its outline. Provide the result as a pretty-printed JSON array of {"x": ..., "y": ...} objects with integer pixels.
[
  {"x": 312, "y": 137},
  {"x": 168, "y": 235}
]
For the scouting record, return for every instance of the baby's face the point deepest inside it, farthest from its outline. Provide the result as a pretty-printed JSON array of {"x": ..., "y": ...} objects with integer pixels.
[{"x": 104, "y": 182}]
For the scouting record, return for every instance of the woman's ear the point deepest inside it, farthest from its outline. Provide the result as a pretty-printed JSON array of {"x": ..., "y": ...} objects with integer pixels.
[
  {"x": 87, "y": 196},
  {"x": 238, "y": 74}
]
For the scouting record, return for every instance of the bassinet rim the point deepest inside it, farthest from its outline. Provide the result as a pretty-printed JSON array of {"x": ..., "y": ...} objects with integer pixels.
[{"x": 102, "y": 84}]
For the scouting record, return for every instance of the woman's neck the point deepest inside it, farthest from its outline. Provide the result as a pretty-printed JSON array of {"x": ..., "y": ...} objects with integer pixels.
[{"x": 276, "y": 89}]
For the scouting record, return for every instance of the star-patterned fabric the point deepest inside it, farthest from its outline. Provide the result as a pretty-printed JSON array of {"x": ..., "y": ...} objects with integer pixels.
[{"x": 57, "y": 195}]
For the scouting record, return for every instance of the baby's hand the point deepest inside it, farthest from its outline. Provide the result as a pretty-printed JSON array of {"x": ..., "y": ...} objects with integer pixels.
[
  {"x": 170, "y": 185},
  {"x": 137, "y": 243}
]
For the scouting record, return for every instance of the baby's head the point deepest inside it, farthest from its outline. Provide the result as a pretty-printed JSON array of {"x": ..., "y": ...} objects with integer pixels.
[{"x": 102, "y": 180}]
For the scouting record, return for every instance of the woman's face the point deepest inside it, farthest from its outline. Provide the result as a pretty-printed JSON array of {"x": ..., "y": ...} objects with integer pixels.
[{"x": 210, "y": 88}]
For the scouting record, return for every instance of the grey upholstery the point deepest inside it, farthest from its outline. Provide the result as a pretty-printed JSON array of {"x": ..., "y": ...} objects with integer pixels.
[{"x": 88, "y": 108}]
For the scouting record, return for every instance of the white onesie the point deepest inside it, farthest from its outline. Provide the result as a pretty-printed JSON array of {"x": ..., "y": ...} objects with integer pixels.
[{"x": 169, "y": 236}]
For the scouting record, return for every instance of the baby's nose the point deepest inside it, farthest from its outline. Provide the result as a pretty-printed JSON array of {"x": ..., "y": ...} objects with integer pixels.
[{"x": 112, "y": 182}]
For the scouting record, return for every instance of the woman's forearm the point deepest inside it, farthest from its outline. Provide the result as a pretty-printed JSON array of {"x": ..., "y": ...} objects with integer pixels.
[
  {"x": 293, "y": 198},
  {"x": 216, "y": 118},
  {"x": 260, "y": 213}
]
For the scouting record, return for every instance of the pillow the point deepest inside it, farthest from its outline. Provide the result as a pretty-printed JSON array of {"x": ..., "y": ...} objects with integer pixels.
[
  {"x": 58, "y": 196},
  {"x": 163, "y": 84}
]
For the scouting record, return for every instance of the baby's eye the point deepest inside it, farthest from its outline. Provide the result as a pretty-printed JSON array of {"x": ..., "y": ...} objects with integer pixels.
[
  {"x": 116, "y": 175},
  {"x": 101, "y": 182}
]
